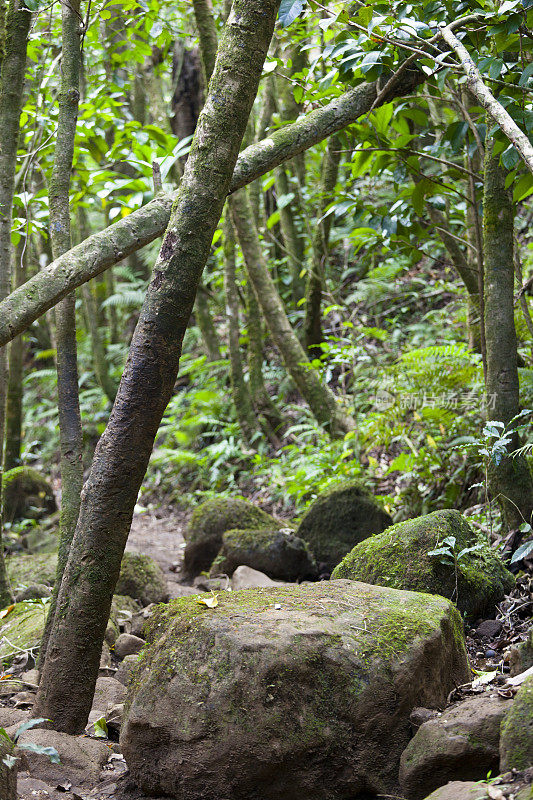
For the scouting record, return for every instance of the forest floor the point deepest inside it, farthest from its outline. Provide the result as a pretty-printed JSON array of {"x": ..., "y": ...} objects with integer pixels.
[{"x": 159, "y": 533}]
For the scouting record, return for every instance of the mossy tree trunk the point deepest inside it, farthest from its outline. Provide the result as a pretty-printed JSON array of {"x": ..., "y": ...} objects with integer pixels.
[
  {"x": 70, "y": 432},
  {"x": 319, "y": 252},
  {"x": 13, "y": 439},
  {"x": 509, "y": 481},
  {"x": 239, "y": 388},
  {"x": 319, "y": 397},
  {"x": 14, "y": 28},
  {"x": 205, "y": 322},
  {"x": 123, "y": 452}
]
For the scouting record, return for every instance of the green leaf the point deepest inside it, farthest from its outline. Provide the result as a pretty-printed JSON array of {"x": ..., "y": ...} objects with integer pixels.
[
  {"x": 523, "y": 188},
  {"x": 100, "y": 728},
  {"x": 290, "y": 10},
  {"x": 523, "y": 552},
  {"x": 32, "y": 723},
  {"x": 51, "y": 752}
]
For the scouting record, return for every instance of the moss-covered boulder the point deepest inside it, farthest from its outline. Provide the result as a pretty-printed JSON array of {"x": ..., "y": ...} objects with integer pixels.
[
  {"x": 521, "y": 656},
  {"x": 27, "y": 494},
  {"x": 293, "y": 691},
  {"x": 516, "y": 739},
  {"x": 141, "y": 578},
  {"x": 399, "y": 558},
  {"x": 338, "y": 520},
  {"x": 210, "y": 521},
  {"x": 278, "y": 553},
  {"x": 28, "y": 569},
  {"x": 21, "y": 629}
]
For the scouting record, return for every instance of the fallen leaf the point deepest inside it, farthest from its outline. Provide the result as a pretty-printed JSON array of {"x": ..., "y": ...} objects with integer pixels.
[
  {"x": 518, "y": 679},
  {"x": 5, "y": 611},
  {"x": 210, "y": 602},
  {"x": 484, "y": 678}
]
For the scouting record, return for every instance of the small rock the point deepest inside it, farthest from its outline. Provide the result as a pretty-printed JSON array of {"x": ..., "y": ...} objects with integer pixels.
[
  {"x": 108, "y": 692},
  {"x": 248, "y": 578},
  {"x": 463, "y": 742},
  {"x": 33, "y": 592},
  {"x": 114, "y": 717},
  {"x": 489, "y": 629},
  {"x": 81, "y": 758},
  {"x": 137, "y": 621},
  {"x": 125, "y": 669},
  {"x": 212, "y": 584},
  {"x": 23, "y": 699},
  {"x": 12, "y": 716},
  {"x": 31, "y": 676},
  {"x": 490, "y": 654},
  {"x": 176, "y": 590},
  {"x": 9, "y": 687},
  {"x": 421, "y": 715},
  {"x": 128, "y": 645},
  {"x": 460, "y": 790}
]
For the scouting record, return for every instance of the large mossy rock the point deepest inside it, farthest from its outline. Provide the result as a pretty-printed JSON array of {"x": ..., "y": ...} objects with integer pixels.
[
  {"x": 294, "y": 692},
  {"x": 29, "y": 569},
  {"x": 399, "y": 558},
  {"x": 210, "y": 521},
  {"x": 516, "y": 740},
  {"x": 339, "y": 519},
  {"x": 141, "y": 578},
  {"x": 27, "y": 494},
  {"x": 279, "y": 554}
]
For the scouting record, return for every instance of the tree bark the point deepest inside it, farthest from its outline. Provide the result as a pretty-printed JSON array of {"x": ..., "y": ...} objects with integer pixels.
[
  {"x": 130, "y": 234},
  {"x": 205, "y": 322},
  {"x": 509, "y": 481},
  {"x": 294, "y": 243},
  {"x": 13, "y": 439},
  {"x": 100, "y": 365},
  {"x": 14, "y": 35},
  {"x": 239, "y": 388},
  {"x": 319, "y": 252},
  {"x": 320, "y": 398},
  {"x": 123, "y": 452},
  {"x": 70, "y": 433}
]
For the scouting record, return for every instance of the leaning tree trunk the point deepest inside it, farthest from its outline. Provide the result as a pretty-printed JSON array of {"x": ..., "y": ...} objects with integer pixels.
[
  {"x": 70, "y": 433},
  {"x": 123, "y": 452},
  {"x": 14, "y": 37},
  {"x": 320, "y": 398},
  {"x": 510, "y": 481}
]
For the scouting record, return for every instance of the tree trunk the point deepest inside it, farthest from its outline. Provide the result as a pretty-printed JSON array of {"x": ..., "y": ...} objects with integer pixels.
[
  {"x": 13, "y": 440},
  {"x": 510, "y": 481},
  {"x": 100, "y": 365},
  {"x": 319, "y": 252},
  {"x": 320, "y": 398},
  {"x": 70, "y": 433},
  {"x": 294, "y": 243},
  {"x": 204, "y": 321},
  {"x": 13, "y": 65},
  {"x": 239, "y": 388},
  {"x": 123, "y": 452}
]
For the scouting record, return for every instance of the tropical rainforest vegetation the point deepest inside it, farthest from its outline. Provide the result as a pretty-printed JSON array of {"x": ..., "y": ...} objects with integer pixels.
[{"x": 303, "y": 261}]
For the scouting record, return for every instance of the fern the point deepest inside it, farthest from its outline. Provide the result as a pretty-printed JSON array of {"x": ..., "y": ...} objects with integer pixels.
[{"x": 126, "y": 299}]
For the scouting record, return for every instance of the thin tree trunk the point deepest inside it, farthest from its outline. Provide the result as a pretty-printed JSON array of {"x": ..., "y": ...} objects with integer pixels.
[
  {"x": 294, "y": 243},
  {"x": 14, "y": 35},
  {"x": 510, "y": 481},
  {"x": 239, "y": 388},
  {"x": 320, "y": 398},
  {"x": 204, "y": 321},
  {"x": 70, "y": 433},
  {"x": 319, "y": 252},
  {"x": 100, "y": 365},
  {"x": 106, "y": 248},
  {"x": 13, "y": 439},
  {"x": 203, "y": 14},
  {"x": 123, "y": 452}
]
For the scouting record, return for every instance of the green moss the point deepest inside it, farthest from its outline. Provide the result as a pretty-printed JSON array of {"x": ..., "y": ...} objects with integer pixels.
[
  {"x": 280, "y": 555},
  {"x": 27, "y": 494},
  {"x": 22, "y": 629},
  {"x": 141, "y": 578},
  {"x": 338, "y": 519},
  {"x": 211, "y": 520},
  {"x": 398, "y": 558},
  {"x": 516, "y": 738},
  {"x": 24, "y": 569}
]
